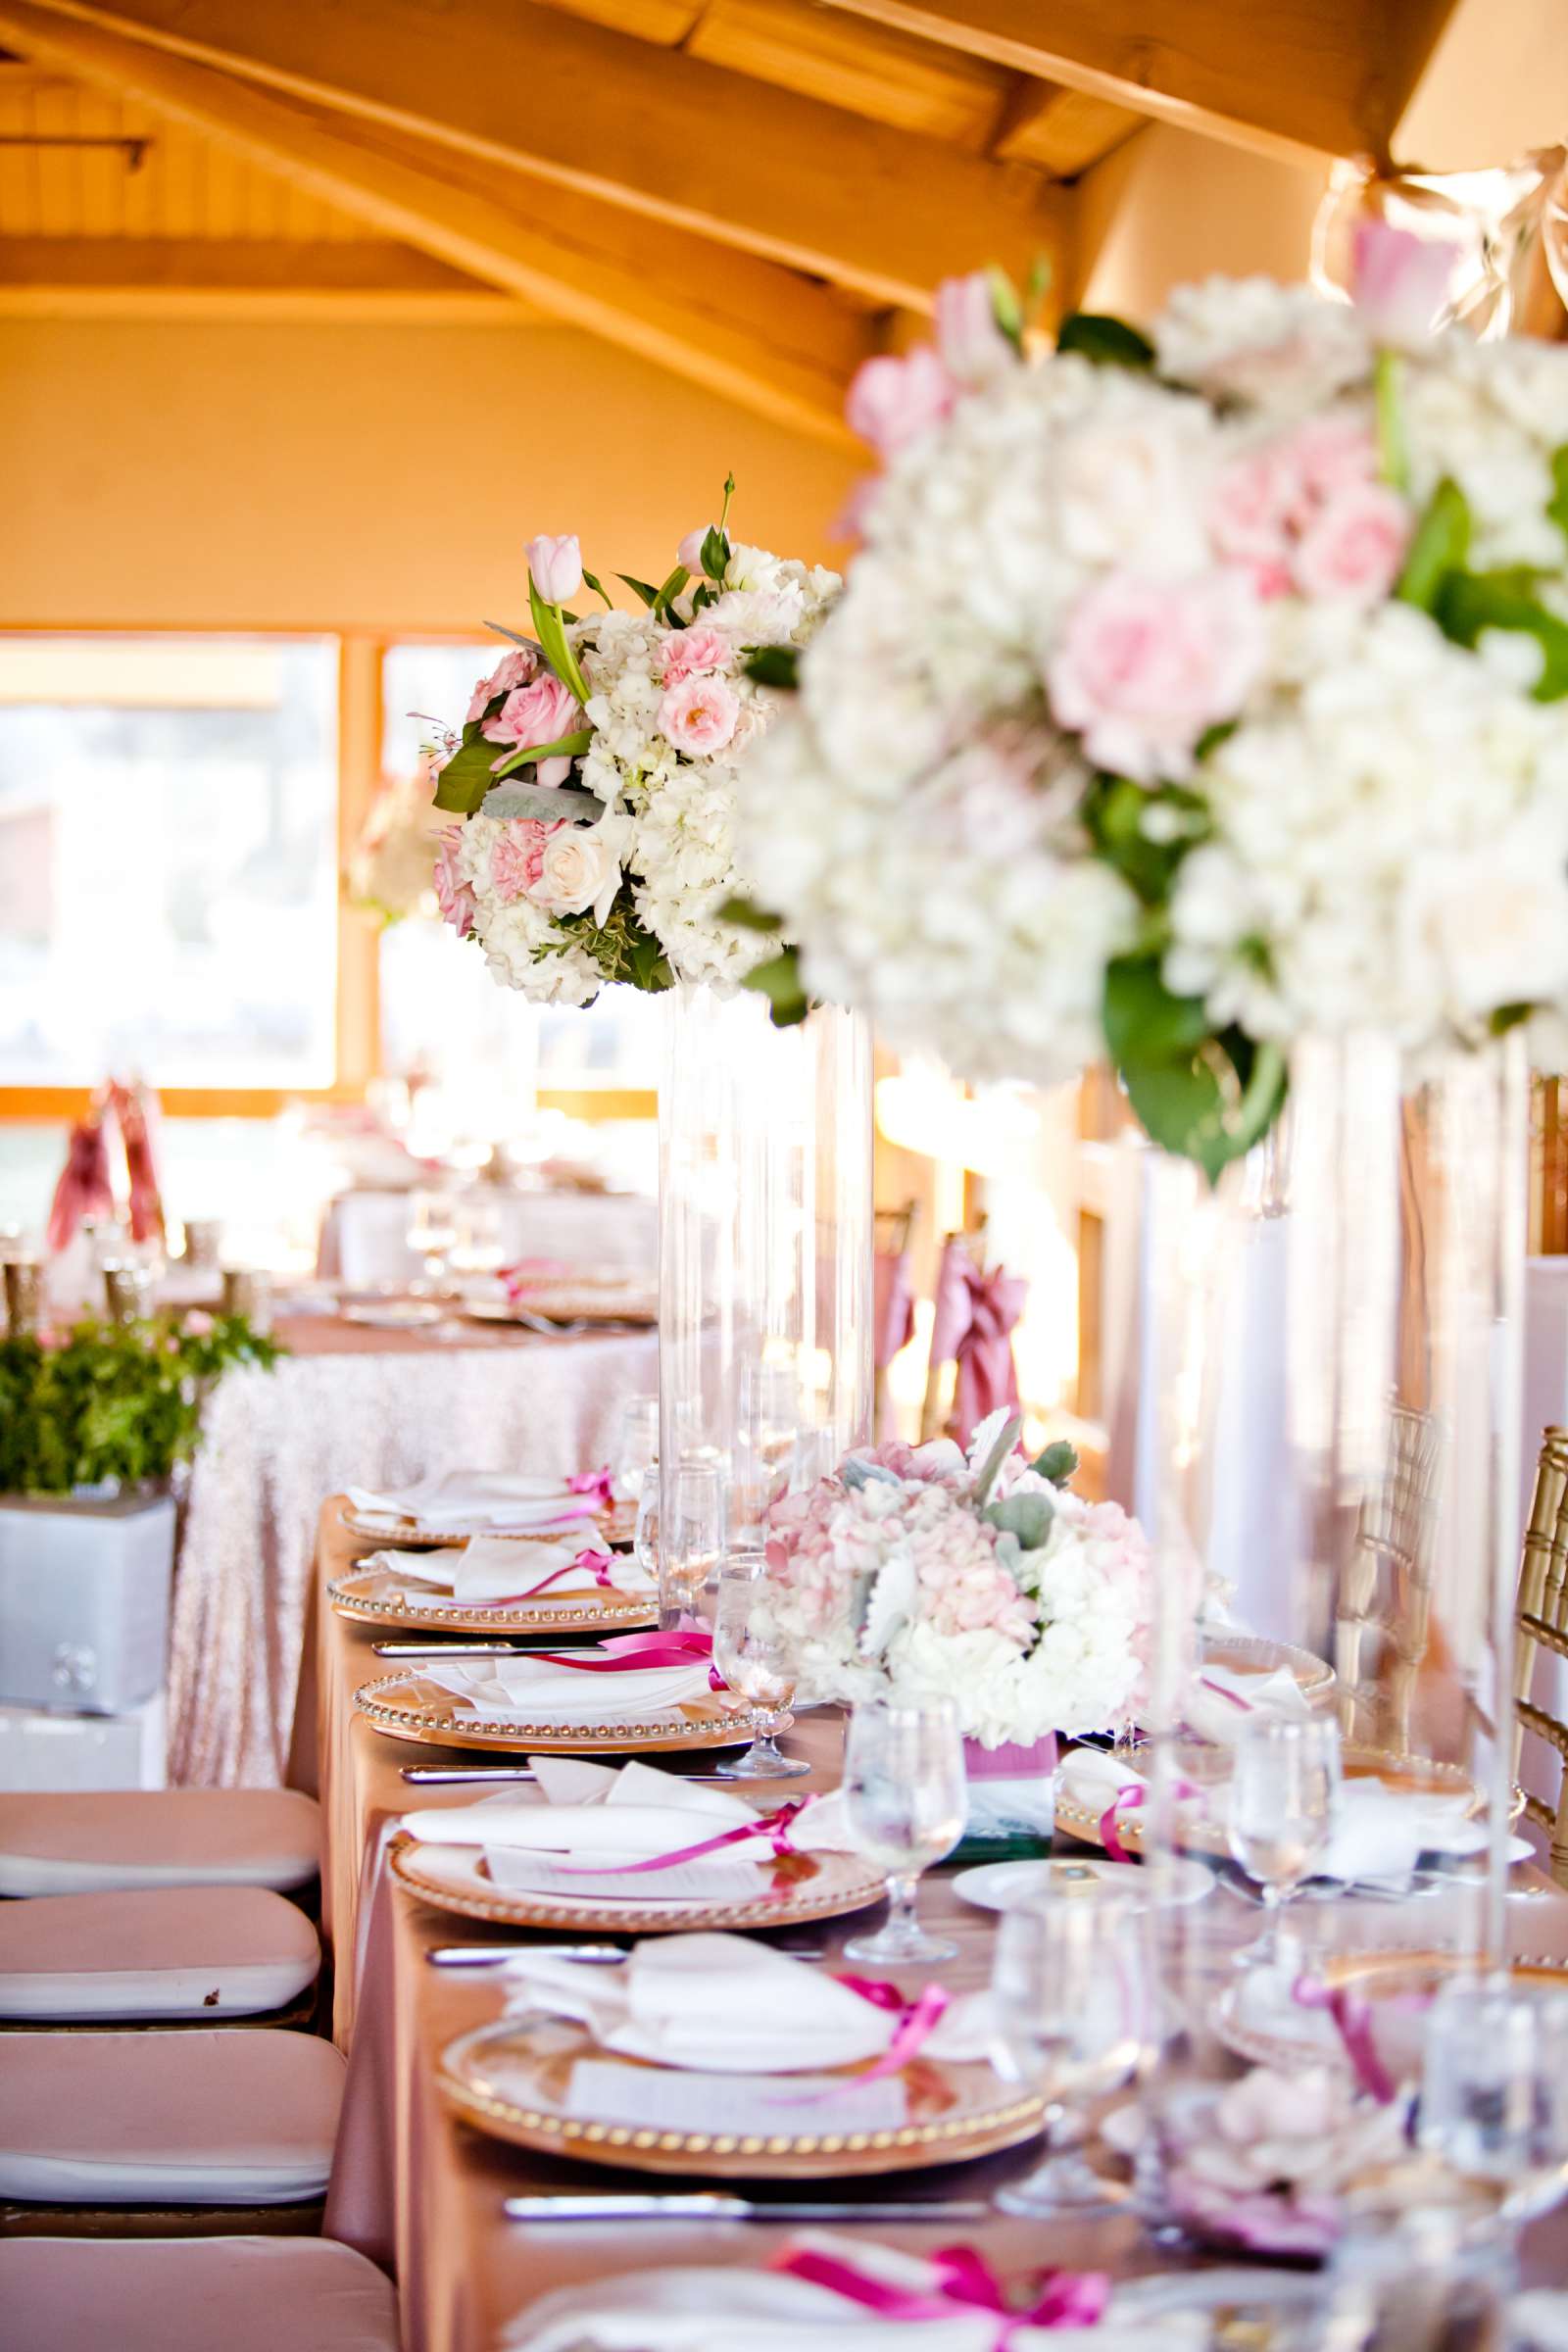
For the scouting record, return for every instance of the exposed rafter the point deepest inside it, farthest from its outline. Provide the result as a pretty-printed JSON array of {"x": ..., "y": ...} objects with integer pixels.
[
  {"x": 250, "y": 276},
  {"x": 744, "y": 327},
  {"x": 685, "y": 142}
]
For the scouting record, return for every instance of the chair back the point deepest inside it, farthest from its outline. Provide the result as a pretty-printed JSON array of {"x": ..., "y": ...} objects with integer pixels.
[
  {"x": 1543, "y": 1627},
  {"x": 1385, "y": 1609}
]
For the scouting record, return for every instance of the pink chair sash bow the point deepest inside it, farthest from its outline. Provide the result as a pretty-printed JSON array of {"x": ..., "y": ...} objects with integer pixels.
[
  {"x": 83, "y": 1189},
  {"x": 972, "y": 1326},
  {"x": 964, "y": 2282},
  {"x": 892, "y": 1306}
]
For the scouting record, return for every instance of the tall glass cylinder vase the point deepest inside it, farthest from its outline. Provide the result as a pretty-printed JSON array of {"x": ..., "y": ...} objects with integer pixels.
[
  {"x": 1335, "y": 1364},
  {"x": 766, "y": 1244}
]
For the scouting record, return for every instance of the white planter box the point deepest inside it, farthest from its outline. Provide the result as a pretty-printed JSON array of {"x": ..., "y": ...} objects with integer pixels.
[
  {"x": 84, "y": 1601},
  {"x": 41, "y": 1750}
]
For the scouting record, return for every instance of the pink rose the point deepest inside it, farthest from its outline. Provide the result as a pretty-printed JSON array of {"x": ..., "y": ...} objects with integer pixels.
[
  {"x": 1399, "y": 282},
  {"x": 517, "y": 856},
  {"x": 1355, "y": 545},
  {"x": 1328, "y": 454},
  {"x": 453, "y": 898},
  {"x": 689, "y": 554},
  {"x": 698, "y": 716},
  {"x": 1249, "y": 509},
  {"x": 512, "y": 669},
  {"x": 892, "y": 402},
  {"x": 1145, "y": 665},
  {"x": 542, "y": 712},
  {"x": 971, "y": 343},
  {"x": 556, "y": 566},
  {"x": 688, "y": 652}
]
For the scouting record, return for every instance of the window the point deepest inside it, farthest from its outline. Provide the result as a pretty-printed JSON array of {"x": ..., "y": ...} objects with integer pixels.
[{"x": 168, "y": 860}]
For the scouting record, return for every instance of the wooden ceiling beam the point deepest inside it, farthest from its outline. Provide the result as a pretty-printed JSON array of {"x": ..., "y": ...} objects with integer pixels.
[
  {"x": 696, "y": 145},
  {"x": 1305, "y": 79},
  {"x": 742, "y": 327},
  {"x": 238, "y": 276},
  {"x": 1063, "y": 132}
]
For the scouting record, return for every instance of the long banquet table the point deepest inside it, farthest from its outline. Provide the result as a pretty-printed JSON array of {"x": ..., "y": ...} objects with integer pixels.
[
  {"x": 375, "y": 1407},
  {"x": 422, "y": 2192}
]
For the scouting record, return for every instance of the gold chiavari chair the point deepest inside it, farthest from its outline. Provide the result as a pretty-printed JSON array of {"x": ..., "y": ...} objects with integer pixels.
[
  {"x": 1543, "y": 1625},
  {"x": 1385, "y": 1607}
]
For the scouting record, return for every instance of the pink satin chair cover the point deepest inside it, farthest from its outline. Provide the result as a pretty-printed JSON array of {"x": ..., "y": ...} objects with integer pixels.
[
  {"x": 83, "y": 1189},
  {"x": 136, "y": 1110},
  {"x": 972, "y": 1327}
]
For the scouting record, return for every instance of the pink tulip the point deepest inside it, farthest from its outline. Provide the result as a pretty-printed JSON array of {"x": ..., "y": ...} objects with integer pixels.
[
  {"x": 1401, "y": 282},
  {"x": 894, "y": 402},
  {"x": 972, "y": 344},
  {"x": 557, "y": 566}
]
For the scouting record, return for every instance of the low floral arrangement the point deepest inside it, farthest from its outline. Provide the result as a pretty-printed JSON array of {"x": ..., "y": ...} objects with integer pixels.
[
  {"x": 931, "y": 1574},
  {"x": 594, "y": 771},
  {"x": 1191, "y": 692},
  {"x": 111, "y": 1406},
  {"x": 388, "y": 872}
]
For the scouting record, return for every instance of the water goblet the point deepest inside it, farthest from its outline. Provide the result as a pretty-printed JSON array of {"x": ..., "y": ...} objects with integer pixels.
[
  {"x": 755, "y": 1657},
  {"x": 1072, "y": 1988},
  {"x": 644, "y": 1541},
  {"x": 691, "y": 1542},
  {"x": 905, "y": 1803},
  {"x": 1284, "y": 1808},
  {"x": 433, "y": 1231},
  {"x": 636, "y": 1448},
  {"x": 1495, "y": 2089}
]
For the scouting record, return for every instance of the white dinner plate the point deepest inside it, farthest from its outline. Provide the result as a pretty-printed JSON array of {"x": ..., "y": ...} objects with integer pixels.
[{"x": 1000, "y": 1885}]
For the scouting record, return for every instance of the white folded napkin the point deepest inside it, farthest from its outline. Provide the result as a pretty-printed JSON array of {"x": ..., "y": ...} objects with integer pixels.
[
  {"x": 1219, "y": 1700},
  {"x": 530, "y": 1689},
  {"x": 1382, "y": 1832},
  {"x": 773, "y": 2311},
  {"x": 466, "y": 1502},
  {"x": 488, "y": 1570},
  {"x": 722, "y": 2005}
]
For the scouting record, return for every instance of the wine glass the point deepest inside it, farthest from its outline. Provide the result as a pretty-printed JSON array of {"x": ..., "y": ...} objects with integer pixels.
[
  {"x": 645, "y": 1542},
  {"x": 636, "y": 1450},
  {"x": 1072, "y": 1990},
  {"x": 692, "y": 1543},
  {"x": 1284, "y": 1808},
  {"x": 433, "y": 1230},
  {"x": 752, "y": 1655},
  {"x": 1495, "y": 2089},
  {"x": 475, "y": 1246},
  {"x": 905, "y": 1804}
]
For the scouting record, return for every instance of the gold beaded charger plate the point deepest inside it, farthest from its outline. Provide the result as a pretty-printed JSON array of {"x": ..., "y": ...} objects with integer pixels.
[
  {"x": 794, "y": 1889},
  {"x": 541, "y": 2083},
  {"x": 615, "y": 1525},
  {"x": 406, "y": 1706},
  {"x": 570, "y": 1302},
  {"x": 1417, "y": 1776},
  {"x": 1396, "y": 1982},
  {"x": 399, "y": 1596},
  {"x": 1257, "y": 1653}
]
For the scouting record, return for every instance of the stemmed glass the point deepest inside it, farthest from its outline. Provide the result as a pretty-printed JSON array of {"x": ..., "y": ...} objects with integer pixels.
[
  {"x": 1284, "y": 1809},
  {"x": 1073, "y": 1993},
  {"x": 905, "y": 1804},
  {"x": 1495, "y": 2089},
  {"x": 433, "y": 1230},
  {"x": 636, "y": 1450},
  {"x": 645, "y": 1542},
  {"x": 692, "y": 1544},
  {"x": 755, "y": 1659}
]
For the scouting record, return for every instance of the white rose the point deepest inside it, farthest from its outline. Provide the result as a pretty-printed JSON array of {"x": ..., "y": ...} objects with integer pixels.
[{"x": 581, "y": 869}]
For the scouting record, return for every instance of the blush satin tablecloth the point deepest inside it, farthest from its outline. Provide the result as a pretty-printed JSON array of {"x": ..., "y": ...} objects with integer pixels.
[
  {"x": 422, "y": 2193},
  {"x": 347, "y": 1405}
]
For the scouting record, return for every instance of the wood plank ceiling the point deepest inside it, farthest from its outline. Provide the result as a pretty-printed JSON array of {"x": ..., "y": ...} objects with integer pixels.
[{"x": 756, "y": 191}]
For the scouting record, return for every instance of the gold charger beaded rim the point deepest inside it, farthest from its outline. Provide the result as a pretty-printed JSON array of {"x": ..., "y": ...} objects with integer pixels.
[
  {"x": 504, "y": 1907},
  {"x": 437, "y": 1721},
  {"x": 614, "y": 1528},
  {"x": 591, "y": 1614},
  {"x": 1260, "y": 1653},
  {"x": 1369, "y": 1972},
  {"x": 637, "y": 1311},
  {"x": 977, "y": 2129},
  {"x": 1207, "y": 1838}
]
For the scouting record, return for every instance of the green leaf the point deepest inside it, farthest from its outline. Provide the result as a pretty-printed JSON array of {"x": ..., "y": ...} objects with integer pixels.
[
  {"x": 642, "y": 588},
  {"x": 1006, "y": 307},
  {"x": 749, "y": 917},
  {"x": 571, "y": 746},
  {"x": 1441, "y": 545},
  {"x": 1469, "y": 602},
  {"x": 599, "y": 589},
  {"x": 665, "y": 596},
  {"x": 510, "y": 635},
  {"x": 1508, "y": 1016},
  {"x": 553, "y": 638},
  {"x": 1144, "y": 1023},
  {"x": 779, "y": 980},
  {"x": 548, "y": 804},
  {"x": 716, "y": 553},
  {"x": 1558, "y": 505},
  {"x": 1057, "y": 1462},
  {"x": 1026, "y": 1516},
  {"x": 467, "y": 777},
  {"x": 1108, "y": 342},
  {"x": 1116, "y": 812},
  {"x": 775, "y": 666}
]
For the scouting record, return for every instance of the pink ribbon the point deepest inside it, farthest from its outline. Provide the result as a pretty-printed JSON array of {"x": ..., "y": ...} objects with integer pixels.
[
  {"x": 600, "y": 1484},
  {"x": 1350, "y": 2014},
  {"x": 964, "y": 2282},
  {"x": 629, "y": 1653},
  {"x": 1128, "y": 1800},
  {"x": 596, "y": 1564},
  {"x": 917, "y": 2020},
  {"x": 531, "y": 1273},
  {"x": 972, "y": 1326},
  {"x": 775, "y": 1827},
  {"x": 1235, "y": 1698}
]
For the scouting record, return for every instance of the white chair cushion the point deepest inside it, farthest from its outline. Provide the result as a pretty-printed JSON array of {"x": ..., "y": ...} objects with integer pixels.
[
  {"x": 168, "y": 2119},
  {"x": 160, "y": 1952},
  {"x": 89, "y": 1841},
  {"x": 191, "y": 2294}
]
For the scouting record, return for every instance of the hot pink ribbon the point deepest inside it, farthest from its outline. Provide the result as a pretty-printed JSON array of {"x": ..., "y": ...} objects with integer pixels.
[
  {"x": 1128, "y": 1800},
  {"x": 917, "y": 2020},
  {"x": 596, "y": 1564},
  {"x": 972, "y": 1326},
  {"x": 600, "y": 1484},
  {"x": 629, "y": 1653},
  {"x": 1350, "y": 2014},
  {"x": 775, "y": 1827},
  {"x": 1204, "y": 1682},
  {"x": 966, "y": 2281}
]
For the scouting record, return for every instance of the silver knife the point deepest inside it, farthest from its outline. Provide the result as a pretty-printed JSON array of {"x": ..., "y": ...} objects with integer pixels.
[
  {"x": 452, "y": 1649},
  {"x": 603, "y": 1955},
  {"x": 703, "y": 2206},
  {"x": 457, "y": 1775}
]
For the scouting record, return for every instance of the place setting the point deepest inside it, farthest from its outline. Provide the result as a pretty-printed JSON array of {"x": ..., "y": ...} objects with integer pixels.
[{"x": 438, "y": 1512}]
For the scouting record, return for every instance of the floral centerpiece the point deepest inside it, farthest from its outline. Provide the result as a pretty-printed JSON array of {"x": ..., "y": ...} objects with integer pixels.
[
  {"x": 981, "y": 1577},
  {"x": 594, "y": 771},
  {"x": 1193, "y": 691}
]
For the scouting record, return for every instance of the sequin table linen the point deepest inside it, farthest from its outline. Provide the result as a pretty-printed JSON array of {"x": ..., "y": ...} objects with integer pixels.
[{"x": 348, "y": 1406}]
